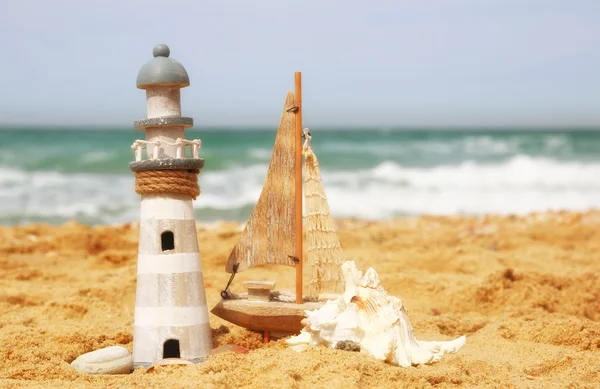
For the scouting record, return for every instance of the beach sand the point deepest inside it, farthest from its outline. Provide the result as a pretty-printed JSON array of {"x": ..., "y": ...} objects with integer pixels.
[{"x": 525, "y": 290}]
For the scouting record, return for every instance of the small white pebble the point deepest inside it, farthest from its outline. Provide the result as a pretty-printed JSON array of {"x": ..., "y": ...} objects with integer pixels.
[{"x": 109, "y": 360}]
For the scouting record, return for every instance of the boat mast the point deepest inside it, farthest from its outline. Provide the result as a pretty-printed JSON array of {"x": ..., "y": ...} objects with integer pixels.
[{"x": 298, "y": 173}]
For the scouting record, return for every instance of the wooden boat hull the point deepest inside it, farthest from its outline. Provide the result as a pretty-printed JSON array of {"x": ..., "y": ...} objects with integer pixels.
[{"x": 274, "y": 316}]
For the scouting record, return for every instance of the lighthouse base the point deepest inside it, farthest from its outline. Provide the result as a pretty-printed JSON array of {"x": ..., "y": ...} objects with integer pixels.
[
  {"x": 146, "y": 365},
  {"x": 191, "y": 343}
]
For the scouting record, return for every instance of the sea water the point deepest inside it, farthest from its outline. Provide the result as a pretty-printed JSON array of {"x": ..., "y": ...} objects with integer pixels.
[{"x": 53, "y": 174}]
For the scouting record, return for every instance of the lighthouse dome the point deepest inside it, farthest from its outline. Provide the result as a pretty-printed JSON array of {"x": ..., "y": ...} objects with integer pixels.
[{"x": 162, "y": 70}]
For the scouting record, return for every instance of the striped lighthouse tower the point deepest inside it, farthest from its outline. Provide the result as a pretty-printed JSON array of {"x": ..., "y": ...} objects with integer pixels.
[{"x": 171, "y": 316}]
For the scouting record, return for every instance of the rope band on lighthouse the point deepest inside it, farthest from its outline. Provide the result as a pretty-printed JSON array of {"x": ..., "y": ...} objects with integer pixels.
[{"x": 168, "y": 181}]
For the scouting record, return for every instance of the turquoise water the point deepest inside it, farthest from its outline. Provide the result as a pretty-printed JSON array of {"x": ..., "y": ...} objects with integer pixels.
[{"x": 54, "y": 175}]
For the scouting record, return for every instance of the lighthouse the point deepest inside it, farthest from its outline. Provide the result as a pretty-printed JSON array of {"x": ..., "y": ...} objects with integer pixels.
[{"x": 171, "y": 315}]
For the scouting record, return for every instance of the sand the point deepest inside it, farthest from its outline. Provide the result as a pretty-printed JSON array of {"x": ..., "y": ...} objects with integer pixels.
[{"x": 525, "y": 290}]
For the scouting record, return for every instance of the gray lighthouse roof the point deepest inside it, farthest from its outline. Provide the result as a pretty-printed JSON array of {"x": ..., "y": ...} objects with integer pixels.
[{"x": 162, "y": 70}]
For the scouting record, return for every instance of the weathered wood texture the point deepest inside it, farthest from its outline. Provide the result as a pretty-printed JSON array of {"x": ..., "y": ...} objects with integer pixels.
[
  {"x": 271, "y": 231},
  {"x": 263, "y": 285},
  {"x": 271, "y": 316},
  {"x": 163, "y": 101},
  {"x": 259, "y": 290}
]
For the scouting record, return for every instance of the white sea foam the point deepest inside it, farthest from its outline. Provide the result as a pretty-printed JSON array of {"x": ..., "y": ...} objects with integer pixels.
[
  {"x": 472, "y": 145},
  {"x": 517, "y": 185},
  {"x": 517, "y": 172},
  {"x": 98, "y": 156},
  {"x": 261, "y": 154},
  {"x": 58, "y": 196},
  {"x": 484, "y": 145}
]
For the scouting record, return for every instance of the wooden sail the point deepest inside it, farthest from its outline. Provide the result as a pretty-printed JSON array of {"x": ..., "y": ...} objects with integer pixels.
[
  {"x": 270, "y": 234},
  {"x": 324, "y": 250}
]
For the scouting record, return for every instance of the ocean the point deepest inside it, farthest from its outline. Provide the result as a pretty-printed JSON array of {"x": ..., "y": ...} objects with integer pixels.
[{"x": 55, "y": 175}]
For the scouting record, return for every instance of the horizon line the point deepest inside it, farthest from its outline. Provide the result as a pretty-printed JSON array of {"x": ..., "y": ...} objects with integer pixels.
[{"x": 354, "y": 127}]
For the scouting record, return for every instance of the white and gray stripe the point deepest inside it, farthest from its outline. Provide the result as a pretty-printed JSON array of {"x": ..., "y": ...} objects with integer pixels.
[
  {"x": 170, "y": 290},
  {"x": 170, "y": 295},
  {"x": 160, "y": 207},
  {"x": 170, "y": 316},
  {"x": 184, "y": 233},
  {"x": 169, "y": 264}
]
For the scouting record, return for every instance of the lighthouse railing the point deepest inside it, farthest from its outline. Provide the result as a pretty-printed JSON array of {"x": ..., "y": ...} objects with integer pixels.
[
  {"x": 181, "y": 147},
  {"x": 139, "y": 145}
]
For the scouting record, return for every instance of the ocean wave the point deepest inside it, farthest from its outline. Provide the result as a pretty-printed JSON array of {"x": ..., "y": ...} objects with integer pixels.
[
  {"x": 516, "y": 185},
  {"x": 261, "y": 154},
  {"x": 470, "y": 145},
  {"x": 518, "y": 171},
  {"x": 519, "y": 185},
  {"x": 482, "y": 145},
  {"x": 57, "y": 197},
  {"x": 98, "y": 156}
]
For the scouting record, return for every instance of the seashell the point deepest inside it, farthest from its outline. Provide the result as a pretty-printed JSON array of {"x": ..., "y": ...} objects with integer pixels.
[
  {"x": 168, "y": 361},
  {"x": 108, "y": 360},
  {"x": 366, "y": 318}
]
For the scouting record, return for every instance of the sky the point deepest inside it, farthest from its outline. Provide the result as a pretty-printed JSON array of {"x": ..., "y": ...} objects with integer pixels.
[{"x": 434, "y": 63}]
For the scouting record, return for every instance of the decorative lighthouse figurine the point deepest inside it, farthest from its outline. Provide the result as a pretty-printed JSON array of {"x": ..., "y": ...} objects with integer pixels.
[{"x": 171, "y": 316}]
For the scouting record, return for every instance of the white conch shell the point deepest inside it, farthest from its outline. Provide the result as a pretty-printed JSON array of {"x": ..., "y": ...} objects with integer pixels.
[{"x": 367, "y": 315}]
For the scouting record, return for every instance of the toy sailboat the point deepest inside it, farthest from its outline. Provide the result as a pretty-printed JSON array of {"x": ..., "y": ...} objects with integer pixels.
[{"x": 273, "y": 236}]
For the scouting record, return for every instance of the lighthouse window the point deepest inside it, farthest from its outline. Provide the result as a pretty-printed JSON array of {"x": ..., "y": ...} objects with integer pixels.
[
  {"x": 171, "y": 349},
  {"x": 167, "y": 240}
]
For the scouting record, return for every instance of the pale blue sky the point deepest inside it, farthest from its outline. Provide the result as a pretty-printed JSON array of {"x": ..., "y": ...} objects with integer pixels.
[{"x": 380, "y": 63}]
